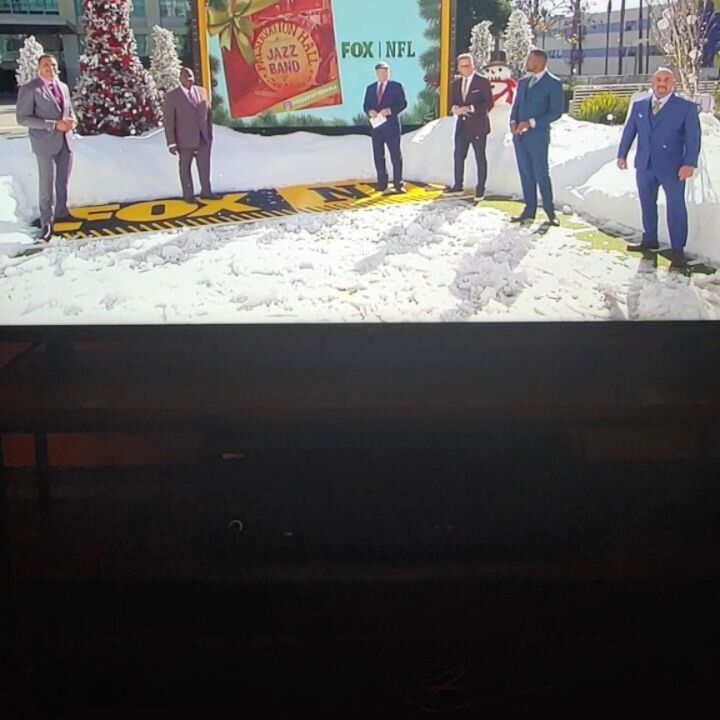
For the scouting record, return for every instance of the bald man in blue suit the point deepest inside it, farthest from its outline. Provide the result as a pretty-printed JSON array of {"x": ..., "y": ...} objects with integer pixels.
[{"x": 667, "y": 128}]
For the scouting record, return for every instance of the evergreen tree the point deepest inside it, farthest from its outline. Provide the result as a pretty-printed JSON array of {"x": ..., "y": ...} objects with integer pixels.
[
  {"x": 517, "y": 41},
  {"x": 481, "y": 44},
  {"x": 164, "y": 62},
  {"x": 114, "y": 94},
  {"x": 27, "y": 62}
]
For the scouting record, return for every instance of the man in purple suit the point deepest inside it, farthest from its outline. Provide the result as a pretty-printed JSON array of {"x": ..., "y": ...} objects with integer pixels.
[
  {"x": 384, "y": 101},
  {"x": 472, "y": 100},
  {"x": 44, "y": 106},
  {"x": 189, "y": 133}
]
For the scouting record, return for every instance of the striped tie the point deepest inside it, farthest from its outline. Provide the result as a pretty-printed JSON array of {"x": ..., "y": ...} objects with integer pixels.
[{"x": 656, "y": 107}]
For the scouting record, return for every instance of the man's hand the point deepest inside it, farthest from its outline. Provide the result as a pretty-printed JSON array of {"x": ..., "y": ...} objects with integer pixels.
[
  {"x": 513, "y": 127},
  {"x": 386, "y": 112},
  {"x": 372, "y": 114},
  {"x": 173, "y": 149},
  {"x": 62, "y": 126},
  {"x": 686, "y": 172},
  {"x": 70, "y": 123},
  {"x": 523, "y": 126},
  {"x": 622, "y": 163}
]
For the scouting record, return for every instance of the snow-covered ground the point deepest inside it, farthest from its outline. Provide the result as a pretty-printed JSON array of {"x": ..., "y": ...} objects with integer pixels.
[{"x": 411, "y": 262}]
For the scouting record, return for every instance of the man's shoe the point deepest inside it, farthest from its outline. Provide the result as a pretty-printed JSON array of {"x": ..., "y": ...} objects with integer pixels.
[
  {"x": 679, "y": 260},
  {"x": 210, "y": 196},
  {"x": 45, "y": 233},
  {"x": 400, "y": 190},
  {"x": 479, "y": 197},
  {"x": 553, "y": 221},
  {"x": 451, "y": 190},
  {"x": 522, "y": 219},
  {"x": 643, "y": 247},
  {"x": 189, "y": 199}
]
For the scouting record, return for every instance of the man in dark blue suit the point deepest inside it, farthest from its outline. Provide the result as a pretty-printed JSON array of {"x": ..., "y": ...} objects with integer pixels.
[
  {"x": 386, "y": 99},
  {"x": 668, "y": 132},
  {"x": 538, "y": 103}
]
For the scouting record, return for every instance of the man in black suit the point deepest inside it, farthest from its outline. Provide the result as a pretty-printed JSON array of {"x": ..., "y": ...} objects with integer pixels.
[
  {"x": 384, "y": 101},
  {"x": 472, "y": 100}
]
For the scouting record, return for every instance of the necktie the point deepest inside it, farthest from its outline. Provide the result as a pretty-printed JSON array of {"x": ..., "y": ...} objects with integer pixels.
[
  {"x": 656, "y": 107},
  {"x": 55, "y": 90},
  {"x": 193, "y": 98},
  {"x": 379, "y": 92},
  {"x": 533, "y": 80},
  {"x": 465, "y": 88}
]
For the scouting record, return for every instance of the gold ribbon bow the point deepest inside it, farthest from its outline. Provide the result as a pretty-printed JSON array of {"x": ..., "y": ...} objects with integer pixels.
[{"x": 234, "y": 21}]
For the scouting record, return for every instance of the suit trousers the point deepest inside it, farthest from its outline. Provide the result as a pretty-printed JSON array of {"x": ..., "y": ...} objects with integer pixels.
[
  {"x": 54, "y": 173},
  {"x": 649, "y": 183},
  {"x": 380, "y": 138},
  {"x": 462, "y": 145},
  {"x": 201, "y": 155},
  {"x": 531, "y": 153}
]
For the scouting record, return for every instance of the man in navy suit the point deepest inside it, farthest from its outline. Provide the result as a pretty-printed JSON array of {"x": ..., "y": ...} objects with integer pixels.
[
  {"x": 538, "y": 103},
  {"x": 472, "y": 100},
  {"x": 668, "y": 132},
  {"x": 386, "y": 99}
]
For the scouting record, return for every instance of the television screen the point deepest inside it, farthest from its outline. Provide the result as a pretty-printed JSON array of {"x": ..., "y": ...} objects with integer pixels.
[{"x": 343, "y": 164}]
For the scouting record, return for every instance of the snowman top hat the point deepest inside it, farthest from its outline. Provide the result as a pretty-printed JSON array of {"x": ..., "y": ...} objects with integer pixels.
[{"x": 497, "y": 57}]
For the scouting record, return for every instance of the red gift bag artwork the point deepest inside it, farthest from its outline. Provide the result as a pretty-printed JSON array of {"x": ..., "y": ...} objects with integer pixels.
[{"x": 277, "y": 55}]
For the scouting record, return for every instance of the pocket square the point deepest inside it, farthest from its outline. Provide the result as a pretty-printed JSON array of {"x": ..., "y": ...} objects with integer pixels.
[{"x": 640, "y": 115}]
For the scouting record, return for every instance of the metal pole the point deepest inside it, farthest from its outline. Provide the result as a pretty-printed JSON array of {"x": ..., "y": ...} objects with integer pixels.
[
  {"x": 621, "y": 48},
  {"x": 607, "y": 38},
  {"x": 640, "y": 37}
]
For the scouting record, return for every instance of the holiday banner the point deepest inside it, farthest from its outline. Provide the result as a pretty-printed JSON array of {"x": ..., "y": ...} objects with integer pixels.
[{"x": 308, "y": 62}]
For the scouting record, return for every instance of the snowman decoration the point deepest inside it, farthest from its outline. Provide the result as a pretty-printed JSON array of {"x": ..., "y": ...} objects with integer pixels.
[{"x": 498, "y": 72}]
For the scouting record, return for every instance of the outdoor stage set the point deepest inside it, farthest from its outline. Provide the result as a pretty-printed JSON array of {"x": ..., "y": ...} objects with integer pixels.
[{"x": 196, "y": 516}]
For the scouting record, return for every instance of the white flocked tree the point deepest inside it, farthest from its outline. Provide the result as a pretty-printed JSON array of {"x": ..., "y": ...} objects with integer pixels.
[
  {"x": 27, "y": 62},
  {"x": 164, "y": 61},
  {"x": 481, "y": 43},
  {"x": 517, "y": 40}
]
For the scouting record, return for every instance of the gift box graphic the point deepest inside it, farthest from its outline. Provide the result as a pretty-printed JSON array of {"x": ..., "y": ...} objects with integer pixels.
[{"x": 277, "y": 55}]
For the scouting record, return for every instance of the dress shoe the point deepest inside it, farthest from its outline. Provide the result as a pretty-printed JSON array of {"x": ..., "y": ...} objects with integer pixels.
[
  {"x": 45, "y": 233},
  {"x": 553, "y": 221},
  {"x": 400, "y": 190},
  {"x": 210, "y": 196},
  {"x": 67, "y": 217},
  {"x": 678, "y": 261},
  {"x": 522, "y": 219},
  {"x": 643, "y": 247},
  {"x": 451, "y": 190},
  {"x": 189, "y": 199},
  {"x": 479, "y": 197}
]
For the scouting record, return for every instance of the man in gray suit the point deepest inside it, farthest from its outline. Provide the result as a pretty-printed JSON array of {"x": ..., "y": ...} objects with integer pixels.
[
  {"x": 44, "y": 106},
  {"x": 189, "y": 133}
]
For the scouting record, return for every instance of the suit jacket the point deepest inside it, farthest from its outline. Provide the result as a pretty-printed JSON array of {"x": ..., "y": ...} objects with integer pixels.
[
  {"x": 670, "y": 139},
  {"x": 393, "y": 98},
  {"x": 38, "y": 110},
  {"x": 186, "y": 124},
  {"x": 479, "y": 96},
  {"x": 544, "y": 103}
]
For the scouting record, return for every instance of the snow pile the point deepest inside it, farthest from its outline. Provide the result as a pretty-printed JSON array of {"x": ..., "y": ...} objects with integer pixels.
[{"x": 442, "y": 261}]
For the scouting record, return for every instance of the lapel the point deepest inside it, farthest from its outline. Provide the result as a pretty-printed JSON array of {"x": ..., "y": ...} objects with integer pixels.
[
  {"x": 48, "y": 95},
  {"x": 665, "y": 110},
  {"x": 645, "y": 112}
]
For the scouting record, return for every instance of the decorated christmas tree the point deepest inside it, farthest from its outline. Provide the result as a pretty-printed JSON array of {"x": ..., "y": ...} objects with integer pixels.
[
  {"x": 518, "y": 41},
  {"x": 27, "y": 62},
  {"x": 115, "y": 94},
  {"x": 164, "y": 62},
  {"x": 481, "y": 43}
]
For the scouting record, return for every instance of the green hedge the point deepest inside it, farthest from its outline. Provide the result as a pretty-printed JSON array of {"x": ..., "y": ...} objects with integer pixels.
[{"x": 606, "y": 108}]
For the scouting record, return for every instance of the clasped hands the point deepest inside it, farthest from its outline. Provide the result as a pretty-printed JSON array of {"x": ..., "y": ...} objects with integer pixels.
[
  {"x": 385, "y": 112},
  {"x": 520, "y": 127},
  {"x": 65, "y": 125}
]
